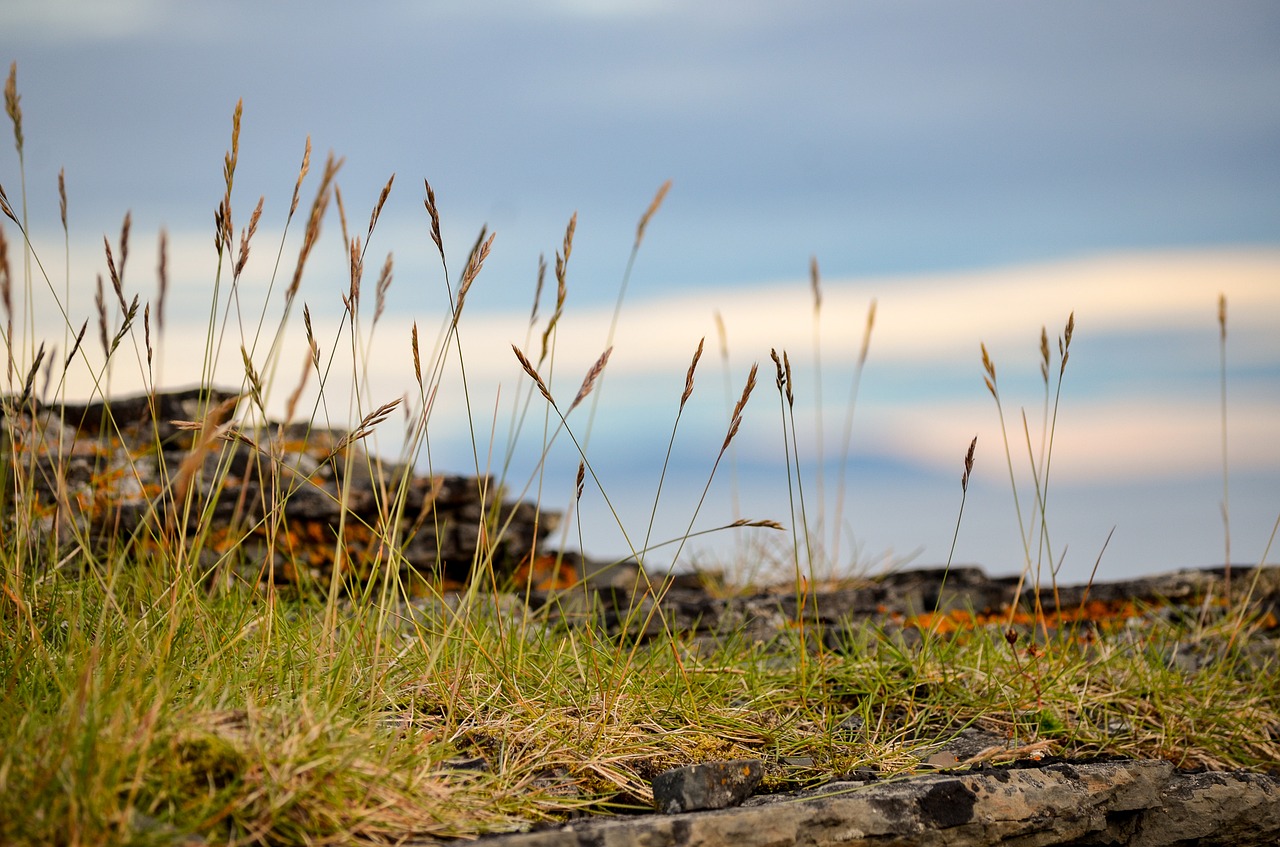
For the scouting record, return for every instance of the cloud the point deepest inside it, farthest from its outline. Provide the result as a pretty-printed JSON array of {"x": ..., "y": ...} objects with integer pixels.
[
  {"x": 920, "y": 403},
  {"x": 101, "y": 20}
]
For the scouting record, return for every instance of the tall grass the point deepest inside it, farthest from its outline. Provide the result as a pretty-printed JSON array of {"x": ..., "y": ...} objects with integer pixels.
[{"x": 172, "y": 681}]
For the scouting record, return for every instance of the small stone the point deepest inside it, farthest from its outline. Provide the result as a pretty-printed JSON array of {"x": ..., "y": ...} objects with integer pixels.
[{"x": 709, "y": 785}]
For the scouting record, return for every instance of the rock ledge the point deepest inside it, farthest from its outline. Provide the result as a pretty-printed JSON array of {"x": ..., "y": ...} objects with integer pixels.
[{"x": 1140, "y": 803}]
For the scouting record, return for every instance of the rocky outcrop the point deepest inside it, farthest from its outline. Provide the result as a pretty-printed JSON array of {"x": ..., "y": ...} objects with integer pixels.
[
  {"x": 278, "y": 500},
  {"x": 1138, "y": 803}
]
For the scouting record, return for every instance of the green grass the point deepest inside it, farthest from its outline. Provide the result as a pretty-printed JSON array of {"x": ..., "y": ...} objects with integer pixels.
[{"x": 146, "y": 694}]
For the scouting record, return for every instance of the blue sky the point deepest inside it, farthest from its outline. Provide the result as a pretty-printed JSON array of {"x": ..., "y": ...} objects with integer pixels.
[{"x": 979, "y": 168}]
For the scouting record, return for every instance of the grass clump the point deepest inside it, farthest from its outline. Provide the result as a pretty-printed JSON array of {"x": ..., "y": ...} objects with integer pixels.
[{"x": 174, "y": 663}]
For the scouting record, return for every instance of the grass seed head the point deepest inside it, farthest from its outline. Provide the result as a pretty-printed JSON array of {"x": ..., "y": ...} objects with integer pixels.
[
  {"x": 762, "y": 524},
  {"x": 968, "y": 465},
  {"x": 233, "y": 155},
  {"x": 1044, "y": 354},
  {"x": 815, "y": 284},
  {"x": 377, "y": 209},
  {"x": 650, "y": 212},
  {"x": 533, "y": 374},
  {"x": 292, "y": 405},
  {"x": 475, "y": 262},
  {"x": 30, "y": 381},
  {"x": 380, "y": 290},
  {"x": 1222, "y": 316},
  {"x": 312, "y": 233},
  {"x": 537, "y": 289},
  {"x": 367, "y": 424},
  {"x": 247, "y": 235},
  {"x": 6, "y": 280},
  {"x": 357, "y": 274},
  {"x": 1064, "y": 344},
  {"x": 62, "y": 197},
  {"x": 735, "y": 420},
  {"x": 688, "y": 377},
  {"x": 589, "y": 381},
  {"x": 76, "y": 346},
  {"x": 430, "y": 203},
  {"x": 255, "y": 381},
  {"x": 746, "y": 391},
  {"x": 162, "y": 271},
  {"x": 302, "y": 174},
  {"x": 100, "y": 302},
  {"x": 417, "y": 360},
  {"x": 12, "y": 107},
  {"x": 786, "y": 366},
  {"x": 990, "y": 367},
  {"x": 866, "y": 333}
]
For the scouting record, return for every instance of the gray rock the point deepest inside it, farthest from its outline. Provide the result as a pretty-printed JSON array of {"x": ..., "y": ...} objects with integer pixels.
[
  {"x": 1139, "y": 803},
  {"x": 709, "y": 785}
]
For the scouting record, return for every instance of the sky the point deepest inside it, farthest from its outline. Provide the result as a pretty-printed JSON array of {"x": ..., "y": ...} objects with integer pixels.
[{"x": 979, "y": 170}]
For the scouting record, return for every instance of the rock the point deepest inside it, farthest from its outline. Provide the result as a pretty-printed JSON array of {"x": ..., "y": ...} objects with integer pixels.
[
  {"x": 1139, "y": 803},
  {"x": 708, "y": 785},
  {"x": 284, "y": 501}
]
